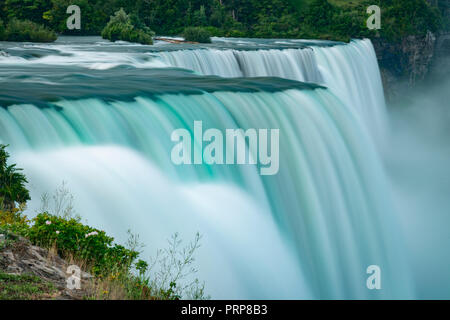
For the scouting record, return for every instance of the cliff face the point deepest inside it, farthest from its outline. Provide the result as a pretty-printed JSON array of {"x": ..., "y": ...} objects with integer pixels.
[{"x": 404, "y": 63}]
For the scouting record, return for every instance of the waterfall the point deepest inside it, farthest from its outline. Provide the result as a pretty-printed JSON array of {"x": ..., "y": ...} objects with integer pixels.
[
  {"x": 294, "y": 64},
  {"x": 350, "y": 71},
  {"x": 326, "y": 213},
  {"x": 309, "y": 231}
]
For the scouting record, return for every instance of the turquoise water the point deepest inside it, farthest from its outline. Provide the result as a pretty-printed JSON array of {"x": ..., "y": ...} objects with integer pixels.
[{"x": 100, "y": 116}]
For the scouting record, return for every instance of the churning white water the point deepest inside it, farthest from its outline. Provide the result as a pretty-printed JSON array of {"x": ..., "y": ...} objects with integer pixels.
[{"x": 308, "y": 232}]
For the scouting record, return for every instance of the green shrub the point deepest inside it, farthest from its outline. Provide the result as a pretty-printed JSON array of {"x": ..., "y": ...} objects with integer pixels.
[
  {"x": 14, "y": 221},
  {"x": 12, "y": 183},
  {"x": 197, "y": 34},
  {"x": 74, "y": 240},
  {"x": 120, "y": 27},
  {"x": 140, "y": 36},
  {"x": 25, "y": 30}
]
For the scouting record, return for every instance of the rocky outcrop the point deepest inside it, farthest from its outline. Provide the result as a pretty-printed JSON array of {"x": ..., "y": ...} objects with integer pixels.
[
  {"x": 404, "y": 62},
  {"x": 19, "y": 257}
]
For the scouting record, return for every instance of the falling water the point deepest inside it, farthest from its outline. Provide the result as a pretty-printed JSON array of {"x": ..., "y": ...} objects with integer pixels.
[
  {"x": 350, "y": 71},
  {"x": 308, "y": 232}
]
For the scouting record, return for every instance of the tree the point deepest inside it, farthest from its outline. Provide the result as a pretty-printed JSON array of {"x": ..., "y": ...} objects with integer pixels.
[
  {"x": 200, "y": 18},
  {"x": 125, "y": 27},
  {"x": 319, "y": 14},
  {"x": 27, "y": 9},
  {"x": 12, "y": 183}
]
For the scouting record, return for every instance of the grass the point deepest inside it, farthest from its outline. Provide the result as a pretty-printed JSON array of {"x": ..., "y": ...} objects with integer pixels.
[{"x": 24, "y": 287}]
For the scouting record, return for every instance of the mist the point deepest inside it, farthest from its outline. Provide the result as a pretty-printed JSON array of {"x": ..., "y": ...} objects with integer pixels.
[{"x": 417, "y": 162}]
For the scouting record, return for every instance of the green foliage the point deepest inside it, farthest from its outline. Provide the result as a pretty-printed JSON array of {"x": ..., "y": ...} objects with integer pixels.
[
  {"x": 94, "y": 15},
  {"x": 25, "y": 30},
  {"x": 26, "y": 9},
  {"x": 199, "y": 17},
  {"x": 324, "y": 19},
  {"x": 11, "y": 237},
  {"x": 269, "y": 27},
  {"x": 197, "y": 34},
  {"x": 120, "y": 27},
  {"x": 319, "y": 14},
  {"x": 412, "y": 17},
  {"x": 119, "y": 273},
  {"x": 14, "y": 221},
  {"x": 80, "y": 242},
  {"x": 24, "y": 287},
  {"x": 12, "y": 182}
]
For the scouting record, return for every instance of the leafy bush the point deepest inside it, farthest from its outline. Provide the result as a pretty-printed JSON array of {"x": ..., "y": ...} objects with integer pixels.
[
  {"x": 14, "y": 220},
  {"x": 74, "y": 240},
  {"x": 197, "y": 34},
  {"x": 119, "y": 274},
  {"x": 13, "y": 223},
  {"x": 12, "y": 183},
  {"x": 120, "y": 27},
  {"x": 25, "y": 30}
]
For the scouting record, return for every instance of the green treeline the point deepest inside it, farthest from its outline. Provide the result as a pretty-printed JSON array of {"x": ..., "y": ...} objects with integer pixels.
[{"x": 322, "y": 19}]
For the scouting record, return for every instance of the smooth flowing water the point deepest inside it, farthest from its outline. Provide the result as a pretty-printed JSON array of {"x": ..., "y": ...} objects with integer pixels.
[{"x": 100, "y": 117}]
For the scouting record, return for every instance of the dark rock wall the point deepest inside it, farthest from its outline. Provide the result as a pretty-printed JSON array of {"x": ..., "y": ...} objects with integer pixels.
[
  {"x": 404, "y": 63},
  {"x": 407, "y": 63}
]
